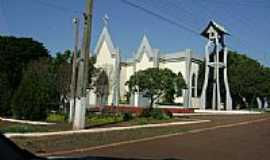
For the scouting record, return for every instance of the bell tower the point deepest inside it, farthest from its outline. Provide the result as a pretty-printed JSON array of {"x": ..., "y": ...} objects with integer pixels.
[{"x": 215, "y": 92}]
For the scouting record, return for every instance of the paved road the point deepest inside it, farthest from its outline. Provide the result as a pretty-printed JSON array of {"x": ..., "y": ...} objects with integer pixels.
[{"x": 245, "y": 142}]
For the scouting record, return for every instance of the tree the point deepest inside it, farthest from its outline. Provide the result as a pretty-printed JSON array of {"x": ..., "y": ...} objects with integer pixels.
[
  {"x": 15, "y": 54},
  {"x": 62, "y": 68},
  {"x": 36, "y": 94},
  {"x": 155, "y": 82},
  {"x": 248, "y": 79}
]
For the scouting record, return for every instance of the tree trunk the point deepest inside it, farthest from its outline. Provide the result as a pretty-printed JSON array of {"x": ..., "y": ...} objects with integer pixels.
[{"x": 151, "y": 103}]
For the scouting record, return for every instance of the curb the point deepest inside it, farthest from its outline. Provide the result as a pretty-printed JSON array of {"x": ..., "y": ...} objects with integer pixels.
[{"x": 26, "y": 121}]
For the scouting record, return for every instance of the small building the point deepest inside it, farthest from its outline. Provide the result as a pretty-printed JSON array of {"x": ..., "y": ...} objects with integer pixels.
[{"x": 117, "y": 69}]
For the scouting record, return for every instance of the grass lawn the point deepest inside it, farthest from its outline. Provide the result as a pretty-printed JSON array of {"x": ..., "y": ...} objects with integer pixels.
[
  {"x": 91, "y": 122},
  {"x": 75, "y": 141},
  {"x": 10, "y": 127}
]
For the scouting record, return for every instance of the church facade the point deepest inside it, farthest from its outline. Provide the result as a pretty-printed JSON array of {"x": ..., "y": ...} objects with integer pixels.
[{"x": 110, "y": 88}]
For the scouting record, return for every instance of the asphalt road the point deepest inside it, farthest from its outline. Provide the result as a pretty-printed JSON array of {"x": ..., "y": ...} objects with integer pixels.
[{"x": 245, "y": 142}]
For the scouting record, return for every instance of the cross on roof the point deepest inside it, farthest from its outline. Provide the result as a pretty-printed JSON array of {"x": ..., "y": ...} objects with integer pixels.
[{"x": 106, "y": 19}]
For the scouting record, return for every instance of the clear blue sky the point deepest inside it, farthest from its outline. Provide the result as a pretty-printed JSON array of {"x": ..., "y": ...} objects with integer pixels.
[{"x": 247, "y": 21}]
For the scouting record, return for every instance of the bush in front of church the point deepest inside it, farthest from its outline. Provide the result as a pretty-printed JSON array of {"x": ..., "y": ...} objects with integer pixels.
[{"x": 156, "y": 113}]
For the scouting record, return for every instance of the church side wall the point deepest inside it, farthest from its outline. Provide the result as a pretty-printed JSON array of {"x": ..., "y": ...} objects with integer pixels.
[
  {"x": 195, "y": 98},
  {"x": 126, "y": 72},
  {"x": 176, "y": 67}
]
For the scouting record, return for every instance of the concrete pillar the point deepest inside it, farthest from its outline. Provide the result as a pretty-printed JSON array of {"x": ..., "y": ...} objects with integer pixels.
[
  {"x": 214, "y": 97},
  {"x": 227, "y": 88},
  {"x": 196, "y": 86},
  {"x": 259, "y": 102},
  {"x": 79, "y": 117},
  {"x": 71, "y": 110},
  {"x": 188, "y": 93},
  {"x": 116, "y": 79},
  {"x": 206, "y": 76},
  {"x": 217, "y": 75},
  {"x": 265, "y": 105},
  {"x": 136, "y": 99}
]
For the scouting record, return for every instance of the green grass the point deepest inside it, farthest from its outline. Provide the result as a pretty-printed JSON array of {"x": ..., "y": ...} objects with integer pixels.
[
  {"x": 75, "y": 141},
  {"x": 8, "y": 127},
  {"x": 56, "y": 118},
  {"x": 98, "y": 120},
  {"x": 22, "y": 128}
]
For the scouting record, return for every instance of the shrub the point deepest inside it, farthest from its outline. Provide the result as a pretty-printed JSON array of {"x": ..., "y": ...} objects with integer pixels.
[
  {"x": 159, "y": 114},
  {"x": 156, "y": 113},
  {"x": 168, "y": 113},
  {"x": 142, "y": 121},
  {"x": 103, "y": 119},
  {"x": 127, "y": 116},
  {"x": 109, "y": 110},
  {"x": 146, "y": 113}
]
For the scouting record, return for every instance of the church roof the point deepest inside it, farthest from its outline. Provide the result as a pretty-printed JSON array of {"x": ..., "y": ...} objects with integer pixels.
[
  {"x": 105, "y": 36},
  {"x": 179, "y": 55},
  {"x": 216, "y": 26},
  {"x": 146, "y": 47}
]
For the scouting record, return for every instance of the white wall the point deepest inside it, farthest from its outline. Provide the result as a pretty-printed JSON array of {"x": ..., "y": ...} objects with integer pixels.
[
  {"x": 104, "y": 56},
  {"x": 144, "y": 63}
]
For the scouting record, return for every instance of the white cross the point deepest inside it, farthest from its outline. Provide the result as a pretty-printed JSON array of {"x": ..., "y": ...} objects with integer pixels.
[{"x": 105, "y": 19}]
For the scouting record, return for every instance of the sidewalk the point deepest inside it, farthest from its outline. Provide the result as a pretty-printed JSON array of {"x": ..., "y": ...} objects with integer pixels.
[
  {"x": 215, "y": 112},
  {"x": 25, "y": 121}
]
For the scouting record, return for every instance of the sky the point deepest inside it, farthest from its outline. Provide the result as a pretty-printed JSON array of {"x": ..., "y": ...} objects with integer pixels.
[{"x": 50, "y": 22}]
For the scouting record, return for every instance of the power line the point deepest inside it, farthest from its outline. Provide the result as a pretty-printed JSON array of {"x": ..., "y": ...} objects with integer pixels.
[
  {"x": 247, "y": 4},
  {"x": 184, "y": 27},
  {"x": 181, "y": 26},
  {"x": 56, "y": 7}
]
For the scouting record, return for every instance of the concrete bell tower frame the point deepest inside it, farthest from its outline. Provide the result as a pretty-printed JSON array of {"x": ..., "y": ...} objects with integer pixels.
[{"x": 216, "y": 61}]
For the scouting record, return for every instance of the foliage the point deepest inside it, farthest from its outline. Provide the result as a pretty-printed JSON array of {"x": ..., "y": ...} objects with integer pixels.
[
  {"x": 56, "y": 117},
  {"x": 35, "y": 95},
  {"x": 103, "y": 119},
  {"x": 127, "y": 116},
  {"x": 248, "y": 79},
  {"x": 156, "y": 113},
  {"x": 22, "y": 128},
  {"x": 62, "y": 70},
  {"x": 15, "y": 54},
  {"x": 155, "y": 82}
]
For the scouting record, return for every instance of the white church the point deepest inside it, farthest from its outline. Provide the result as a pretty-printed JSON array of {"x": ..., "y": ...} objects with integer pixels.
[{"x": 116, "y": 71}]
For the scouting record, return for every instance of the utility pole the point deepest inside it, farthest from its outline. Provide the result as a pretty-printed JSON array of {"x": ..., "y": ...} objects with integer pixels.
[
  {"x": 82, "y": 82},
  {"x": 74, "y": 68}
]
